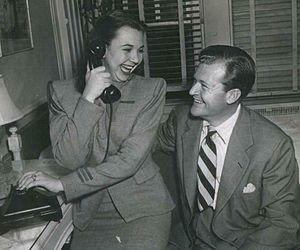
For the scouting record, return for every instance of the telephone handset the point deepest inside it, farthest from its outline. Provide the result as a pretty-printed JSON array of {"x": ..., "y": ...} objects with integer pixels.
[{"x": 96, "y": 52}]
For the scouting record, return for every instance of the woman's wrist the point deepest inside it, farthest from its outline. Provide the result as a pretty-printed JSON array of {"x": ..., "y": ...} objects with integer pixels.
[{"x": 88, "y": 98}]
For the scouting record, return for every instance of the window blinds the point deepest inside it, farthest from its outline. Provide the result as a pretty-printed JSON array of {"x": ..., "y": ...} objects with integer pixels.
[
  {"x": 174, "y": 37},
  {"x": 269, "y": 31}
]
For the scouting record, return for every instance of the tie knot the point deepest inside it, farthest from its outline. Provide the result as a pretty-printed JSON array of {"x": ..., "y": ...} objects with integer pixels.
[{"x": 210, "y": 132}]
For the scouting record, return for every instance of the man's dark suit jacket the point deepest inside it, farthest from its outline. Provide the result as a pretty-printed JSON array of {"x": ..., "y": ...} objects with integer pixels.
[{"x": 259, "y": 155}]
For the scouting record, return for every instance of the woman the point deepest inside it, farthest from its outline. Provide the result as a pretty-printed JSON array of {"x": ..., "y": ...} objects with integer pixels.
[{"x": 120, "y": 200}]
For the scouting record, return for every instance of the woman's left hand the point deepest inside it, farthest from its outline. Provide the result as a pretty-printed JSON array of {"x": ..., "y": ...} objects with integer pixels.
[{"x": 40, "y": 179}]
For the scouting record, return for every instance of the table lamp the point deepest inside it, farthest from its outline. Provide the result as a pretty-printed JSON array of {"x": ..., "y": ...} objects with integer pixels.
[{"x": 8, "y": 113}]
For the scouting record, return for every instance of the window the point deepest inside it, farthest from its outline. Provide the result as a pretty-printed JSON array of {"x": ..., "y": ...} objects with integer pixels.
[
  {"x": 270, "y": 31},
  {"x": 174, "y": 37}
]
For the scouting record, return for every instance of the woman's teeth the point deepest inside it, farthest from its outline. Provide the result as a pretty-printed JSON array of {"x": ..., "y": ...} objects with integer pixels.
[{"x": 126, "y": 69}]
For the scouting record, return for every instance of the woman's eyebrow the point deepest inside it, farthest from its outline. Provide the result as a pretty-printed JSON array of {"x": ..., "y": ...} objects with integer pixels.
[
  {"x": 130, "y": 45},
  {"x": 127, "y": 45}
]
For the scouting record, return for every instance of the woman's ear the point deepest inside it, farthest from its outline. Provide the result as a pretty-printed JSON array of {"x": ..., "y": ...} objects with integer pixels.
[{"x": 233, "y": 95}]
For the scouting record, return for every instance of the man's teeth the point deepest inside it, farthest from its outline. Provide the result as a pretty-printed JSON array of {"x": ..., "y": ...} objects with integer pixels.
[{"x": 198, "y": 101}]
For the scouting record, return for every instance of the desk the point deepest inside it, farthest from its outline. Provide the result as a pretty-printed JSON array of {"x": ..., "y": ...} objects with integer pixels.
[{"x": 47, "y": 235}]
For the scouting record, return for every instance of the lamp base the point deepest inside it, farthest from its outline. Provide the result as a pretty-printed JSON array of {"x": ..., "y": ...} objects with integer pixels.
[
  {"x": 3, "y": 144},
  {"x": 17, "y": 165}
]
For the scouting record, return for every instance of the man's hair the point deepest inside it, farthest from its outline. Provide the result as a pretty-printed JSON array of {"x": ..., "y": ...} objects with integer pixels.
[{"x": 240, "y": 67}]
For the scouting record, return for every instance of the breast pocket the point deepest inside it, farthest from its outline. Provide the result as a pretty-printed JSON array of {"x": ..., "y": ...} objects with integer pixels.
[{"x": 248, "y": 204}]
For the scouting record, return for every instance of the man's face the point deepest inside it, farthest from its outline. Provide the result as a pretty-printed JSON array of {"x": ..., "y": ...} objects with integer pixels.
[{"x": 210, "y": 99}]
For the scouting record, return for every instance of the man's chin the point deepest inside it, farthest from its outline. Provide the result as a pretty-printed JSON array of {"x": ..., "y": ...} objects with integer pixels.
[{"x": 196, "y": 111}]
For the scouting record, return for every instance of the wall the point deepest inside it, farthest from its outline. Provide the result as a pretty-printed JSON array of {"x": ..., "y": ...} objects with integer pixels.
[
  {"x": 27, "y": 73},
  {"x": 217, "y": 22}
]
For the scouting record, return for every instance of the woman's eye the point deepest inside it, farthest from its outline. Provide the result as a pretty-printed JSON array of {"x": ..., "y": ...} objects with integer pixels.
[{"x": 127, "y": 50}]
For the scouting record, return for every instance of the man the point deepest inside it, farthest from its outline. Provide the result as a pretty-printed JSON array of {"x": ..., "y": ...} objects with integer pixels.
[{"x": 237, "y": 173}]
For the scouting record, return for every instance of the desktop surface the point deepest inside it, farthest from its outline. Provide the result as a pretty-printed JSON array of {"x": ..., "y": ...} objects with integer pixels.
[{"x": 46, "y": 235}]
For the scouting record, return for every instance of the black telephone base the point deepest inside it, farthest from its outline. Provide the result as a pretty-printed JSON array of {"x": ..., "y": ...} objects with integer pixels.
[{"x": 31, "y": 207}]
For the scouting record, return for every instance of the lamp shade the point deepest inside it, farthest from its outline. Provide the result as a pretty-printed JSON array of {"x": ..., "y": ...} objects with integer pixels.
[{"x": 8, "y": 110}]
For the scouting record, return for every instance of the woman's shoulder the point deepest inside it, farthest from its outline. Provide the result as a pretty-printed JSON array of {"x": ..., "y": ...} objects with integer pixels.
[
  {"x": 64, "y": 87},
  {"x": 149, "y": 80},
  {"x": 64, "y": 90},
  {"x": 149, "y": 83}
]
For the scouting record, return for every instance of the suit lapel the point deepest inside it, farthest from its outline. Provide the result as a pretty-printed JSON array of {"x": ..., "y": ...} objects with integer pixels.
[
  {"x": 236, "y": 159},
  {"x": 190, "y": 150}
]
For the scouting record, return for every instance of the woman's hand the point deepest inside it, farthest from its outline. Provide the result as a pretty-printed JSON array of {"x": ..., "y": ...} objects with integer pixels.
[
  {"x": 40, "y": 179},
  {"x": 96, "y": 81}
]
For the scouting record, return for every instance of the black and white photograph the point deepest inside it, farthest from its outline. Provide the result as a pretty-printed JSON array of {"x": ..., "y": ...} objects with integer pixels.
[{"x": 149, "y": 124}]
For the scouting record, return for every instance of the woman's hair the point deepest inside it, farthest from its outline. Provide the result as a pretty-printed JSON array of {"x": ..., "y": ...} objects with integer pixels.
[
  {"x": 106, "y": 27},
  {"x": 240, "y": 67},
  {"x": 104, "y": 31}
]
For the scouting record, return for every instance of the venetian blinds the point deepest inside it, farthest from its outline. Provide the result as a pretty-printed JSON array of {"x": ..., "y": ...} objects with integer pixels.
[
  {"x": 270, "y": 31},
  {"x": 174, "y": 37}
]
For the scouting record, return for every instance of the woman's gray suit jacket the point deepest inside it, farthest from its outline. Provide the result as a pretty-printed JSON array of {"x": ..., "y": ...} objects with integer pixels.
[{"x": 78, "y": 131}]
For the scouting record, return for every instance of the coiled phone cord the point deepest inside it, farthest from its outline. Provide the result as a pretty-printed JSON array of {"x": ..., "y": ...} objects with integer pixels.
[{"x": 108, "y": 132}]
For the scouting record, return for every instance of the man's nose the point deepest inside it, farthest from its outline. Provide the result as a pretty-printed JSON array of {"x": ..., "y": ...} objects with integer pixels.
[{"x": 195, "y": 89}]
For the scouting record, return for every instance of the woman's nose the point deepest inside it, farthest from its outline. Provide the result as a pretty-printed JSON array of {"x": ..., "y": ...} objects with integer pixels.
[{"x": 134, "y": 57}]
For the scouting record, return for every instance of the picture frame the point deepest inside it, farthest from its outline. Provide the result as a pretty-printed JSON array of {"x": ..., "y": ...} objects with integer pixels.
[{"x": 15, "y": 27}]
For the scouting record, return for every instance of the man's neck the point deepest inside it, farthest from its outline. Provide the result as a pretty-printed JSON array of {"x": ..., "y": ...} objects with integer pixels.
[{"x": 231, "y": 112}]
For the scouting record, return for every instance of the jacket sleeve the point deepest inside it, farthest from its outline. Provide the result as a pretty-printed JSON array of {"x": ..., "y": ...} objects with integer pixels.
[
  {"x": 280, "y": 202},
  {"x": 166, "y": 134},
  {"x": 130, "y": 156},
  {"x": 71, "y": 131}
]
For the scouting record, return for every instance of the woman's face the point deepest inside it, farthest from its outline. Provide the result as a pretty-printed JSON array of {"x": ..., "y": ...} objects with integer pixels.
[{"x": 124, "y": 53}]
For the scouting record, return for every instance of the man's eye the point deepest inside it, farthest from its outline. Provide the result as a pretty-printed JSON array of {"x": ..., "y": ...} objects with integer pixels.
[
  {"x": 141, "y": 51},
  {"x": 203, "y": 86},
  {"x": 127, "y": 50}
]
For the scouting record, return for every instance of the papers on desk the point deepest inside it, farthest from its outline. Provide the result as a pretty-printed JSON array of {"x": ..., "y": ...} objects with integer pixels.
[
  {"x": 6, "y": 243},
  {"x": 20, "y": 239}
]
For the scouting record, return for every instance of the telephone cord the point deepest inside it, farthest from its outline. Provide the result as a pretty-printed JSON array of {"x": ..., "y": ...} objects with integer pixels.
[{"x": 108, "y": 132}]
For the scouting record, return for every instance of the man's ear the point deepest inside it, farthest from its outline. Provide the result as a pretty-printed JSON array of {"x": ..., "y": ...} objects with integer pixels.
[
  {"x": 105, "y": 51},
  {"x": 233, "y": 95}
]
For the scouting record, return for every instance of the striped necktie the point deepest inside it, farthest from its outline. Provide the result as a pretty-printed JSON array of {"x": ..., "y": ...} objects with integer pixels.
[{"x": 206, "y": 178}]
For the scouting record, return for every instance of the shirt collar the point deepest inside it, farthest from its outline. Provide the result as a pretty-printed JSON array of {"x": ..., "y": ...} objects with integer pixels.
[{"x": 224, "y": 130}]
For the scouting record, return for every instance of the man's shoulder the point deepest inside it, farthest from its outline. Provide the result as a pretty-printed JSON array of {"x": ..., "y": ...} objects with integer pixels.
[{"x": 263, "y": 127}]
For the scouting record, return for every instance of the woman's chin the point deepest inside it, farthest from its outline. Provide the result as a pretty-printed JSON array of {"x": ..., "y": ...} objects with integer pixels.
[{"x": 121, "y": 77}]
